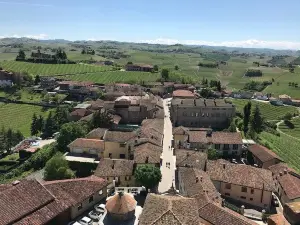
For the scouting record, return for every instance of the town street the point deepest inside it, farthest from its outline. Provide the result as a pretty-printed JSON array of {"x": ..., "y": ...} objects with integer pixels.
[{"x": 168, "y": 172}]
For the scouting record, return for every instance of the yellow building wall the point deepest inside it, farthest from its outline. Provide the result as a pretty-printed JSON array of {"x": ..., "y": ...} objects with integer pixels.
[{"x": 115, "y": 149}]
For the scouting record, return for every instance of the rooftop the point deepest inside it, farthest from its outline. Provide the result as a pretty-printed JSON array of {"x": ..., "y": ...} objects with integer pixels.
[
  {"x": 114, "y": 168},
  {"x": 200, "y": 102},
  {"x": 119, "y": 136},
  {"x": 147, "y": 153},
  {"x": 87, "y": 143},
  {"x": 182, "y": 93},
  {"x": 224, "y": 171},
  {"x": 190, "y": 158},
  {"x": 97, "y": 133},
  {"x": 262, "y": 153},
  {"x": 294, "y": 206},
  {"x": 121, "y": 203}
]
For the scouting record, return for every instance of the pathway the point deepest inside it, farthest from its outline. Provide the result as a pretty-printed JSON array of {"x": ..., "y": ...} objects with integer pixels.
[{"x": 168, "y": 173}]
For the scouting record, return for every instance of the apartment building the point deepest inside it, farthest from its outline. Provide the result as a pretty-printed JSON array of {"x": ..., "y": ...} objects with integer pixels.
[
  {"x": 6, "y": 78},
  {"x": 214, "y": 113},
  {"x": 226, "y": 143},
  {"x": 242, "y": 182}
]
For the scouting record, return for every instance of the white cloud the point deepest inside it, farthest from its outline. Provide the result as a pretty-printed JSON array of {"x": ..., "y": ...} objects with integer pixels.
[
  {"x": 37, "y": 36},
  {"x": 251, "y": 43}
]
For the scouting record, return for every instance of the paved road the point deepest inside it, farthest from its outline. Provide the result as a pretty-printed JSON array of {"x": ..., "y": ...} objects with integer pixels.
[{"x": 168, "y": 173}]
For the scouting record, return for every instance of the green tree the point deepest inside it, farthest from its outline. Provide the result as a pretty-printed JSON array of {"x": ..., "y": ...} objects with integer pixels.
[
  {"x": 63, "y": 55},
  {"x": 219, "y": 86},
  {"x": 21, "y": 55},
  {"x": 148, "y": 175},
  {"x": 176, "y": 67},
  {"x": 37, "y": 79},
  {"x": 165, "y": 74},
  {"x": 247, "y": 113},
  {"x": 40, "y": 123},
  {"x": 257, "y": 120},
  {"x": 68, "y": 133},
  {"x": 205, "y": 92},
  {"x": 9, "y": 140},
  {"x": 291, "y": 70},
  {"x": 155, "y": 68},
  {"x": 129, "y": 63},
  {"x": 34, "y": 125},
  {"x": 213, "y": 154},
  {"x": 49, "y": 126},
  {"x": 83, "y": 51},
  {"x": 288, "y": 116},
  {"x": 57, "y": 168},
  {"x": 103, "y": 120},
  {"x": 61, "y": 116},
  {"x": 232, "y": 127}
]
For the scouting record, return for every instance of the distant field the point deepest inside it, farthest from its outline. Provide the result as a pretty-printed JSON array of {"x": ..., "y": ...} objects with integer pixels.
[
  {"x": 77, "y": 56},
  {"x": 115, "y": 76},
  {"x": 285, "y": 147},
  {"x": 18, "y": 116},
  {"x": 51, "y": 69},
  {"x": 295, "y": 131},
  {"x": 268, "y": 111}
]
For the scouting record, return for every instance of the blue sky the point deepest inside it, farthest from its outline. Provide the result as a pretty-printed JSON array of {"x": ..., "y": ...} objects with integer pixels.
[{"x": 262, "y": 23}]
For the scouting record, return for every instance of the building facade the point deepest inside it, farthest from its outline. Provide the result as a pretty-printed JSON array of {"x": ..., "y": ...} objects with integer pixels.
[{"x": 214, "y": 113}]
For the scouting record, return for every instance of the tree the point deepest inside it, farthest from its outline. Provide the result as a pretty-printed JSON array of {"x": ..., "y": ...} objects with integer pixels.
[
  {"x": 57, "y": 168},
  {"x": 232, "y": 127},
  {"x": 21, "y": 55},
  {"x": 61, "y": 116},
  {"x": 247, "y": 113},
  {"x": 49, "y": 127},
  {"x": 176, "y": 67},
  {"x": 288, "y": 116},
  {"x": 9, "y": 140},
  {"x": 83, "y": 51},
  {"x": 40, "y": 123},
  {"x": 63, "y": 55},
  {"x": 205, "y": 92},
  {"x": 291, "y": 70},
  {"x": 34, "y": 125},
  {"x": 93, "y": 52},
  {"x": 103, "y": 120},
  {"x": 129, "y": 63},
  {"x": 37, "y": 79},
  {"x": 219, "y": 87},
  {"x": 155, "y": 68},
  {"x": 213, "y": 154},
  {"x": 68, "y": 133},
  {"x": 257, "y": 120},
  {"x": 148, "y": 175},
  {"x": 165, "y": 74}
]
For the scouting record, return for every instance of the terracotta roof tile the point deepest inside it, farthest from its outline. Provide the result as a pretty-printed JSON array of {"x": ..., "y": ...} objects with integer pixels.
[
  {"x": 81, "y": 112},
  {"x": 114, "y": 168},
  {"x": 226, "y": 138},
  {"x": 153, "y": 129},
  {"x": 121, "y": 203},
  {"x": 198, "y": 136},
  {"x": 119, "y": 136},
  {"x": 180, "y": 130},
  {"x": 262, "y": 153},
  {"x": 147, "y": 152},
  {"x": 235, "y": 174},
  {"x": 183, "y": 93},
  {"x": 96, "y": 133},
  {"x": 87, "y": 143},
  {"x": 277, "y": 219},
  {"x": 190, "y": 158}
]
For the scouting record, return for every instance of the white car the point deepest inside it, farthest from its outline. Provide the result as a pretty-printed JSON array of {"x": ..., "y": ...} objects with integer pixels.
[
  {"x": 95, "y": 215},
  {"x": 85, "y": 221},
  {"x": 100, "y": 208}
]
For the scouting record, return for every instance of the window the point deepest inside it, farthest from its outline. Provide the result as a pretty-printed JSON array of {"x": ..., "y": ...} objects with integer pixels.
[
  {"x": 203, "y": 114},
  {"x": 122, "y": 156},
  {"x": 197, "y": 114},
  {"x": 227, "y": 194},
  {"x": 217, "y": 146},
  {"x": 207, "y": 114},
  {"x": 228, "y": 186},
  {"x": 243, "y": 197},
  {"x": 244, "y": 189},
  {"x": 192, "y": 114},
  {"x": 79, "y": 207},
  {"x": 91, "y": 199},
  {"x": 129, "y": 178},
  {"x": 226, "y": 147},
  {"x": 235, "y": 147},
  {"x": 100, "y": 192},
  {"x": 122, "y": 145},
  {"x": 252, "y": 191},
  {"x": 251, "y": 199}
]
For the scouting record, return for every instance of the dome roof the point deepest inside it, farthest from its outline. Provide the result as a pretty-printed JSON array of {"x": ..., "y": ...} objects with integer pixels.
[{"x": 121, "y": 203}]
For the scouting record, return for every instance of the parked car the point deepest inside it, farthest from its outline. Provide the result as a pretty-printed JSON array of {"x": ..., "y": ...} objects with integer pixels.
[
  {"x": 74, "y": 223},
  {"x": 100, "y": 208},
  {"x": 95, "y": 214},
  {"x": 86, "y": 221}
]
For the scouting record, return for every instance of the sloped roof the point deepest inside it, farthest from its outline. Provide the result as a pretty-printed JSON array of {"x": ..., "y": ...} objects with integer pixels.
[
  {"x": 87, "y": 143},
  {"x": 180, "y": 130},
  {"x": 96, "y": 133},
  {"x": 119, "y": 136},
  {"x": 262, "y": 153},
  {"x": 121, "y": 203},
  {"x": 191, "y": 158},
  {"x": 147, "y": 152},
  {"x": 114, "y": 168},
  {"x": 183, "y": 93}
]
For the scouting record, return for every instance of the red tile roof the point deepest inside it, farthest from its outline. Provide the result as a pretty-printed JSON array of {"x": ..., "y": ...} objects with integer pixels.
[
  {"x": 147, "y": 152},
  {"x": 262, "y": 153},
  {"x": 87, "y": 143},
  {"x": 81, "y": 112},
  {"x": 226, "y": 138},
  {"x": 114, "y": 168},
  {"x": 198, "y": 136},
  {"x": 183, "y": 93}
]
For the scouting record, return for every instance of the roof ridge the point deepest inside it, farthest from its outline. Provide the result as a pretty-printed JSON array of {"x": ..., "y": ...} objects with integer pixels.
[{"x": 169, "y": 210}]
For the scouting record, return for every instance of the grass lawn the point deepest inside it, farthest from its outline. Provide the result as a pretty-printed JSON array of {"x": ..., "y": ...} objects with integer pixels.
[
  {"x": 285, "y": 147},
  {"x": 18, "y": 116},
  {"x": 14, "y": 156},
  {"x": 51, "y": 69},
  {"x": 293, "y": 131},
  {"x": 268, "y": 111}
]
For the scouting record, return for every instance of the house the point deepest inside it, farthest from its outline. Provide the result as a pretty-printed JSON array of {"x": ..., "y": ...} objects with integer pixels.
[
  {"x": 285, "y": 99},
  {"x": 296, "y": 102},
  {"x": 123, "y": 87},
  {"x": 190, "y": 158},
  {"x": 48, "y": 83},
  {"x": 241, "y": 95},
  {"x": 260, "y": 96},
  {"x": 287, "y": 183},
  {"x": 229, "y": 180},
  {"x": 139, "y": 67},
  {"x": 78, "y": 114},
  {"x": 84, "y": 146},
  {"x": 148, "y": 153},
  {"x": 226, "y": 143},
  {"x": 6, "y": 78},
  {"x": 291, "y": 212},
  {"x": 159, "y": 88},
  {"x": 263, "y": 156},
  {"x": 52, "y": 202},
  {"x": 214, "y": 113},
  {"x": 185, "y": 94},
  {"x": 277, "y": 219},
  {"x": 153, "y": 130},
  {"x": 119, "y": 170}
]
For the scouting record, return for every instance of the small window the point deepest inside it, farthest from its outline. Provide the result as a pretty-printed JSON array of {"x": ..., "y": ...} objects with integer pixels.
[
  {"x": 129, "y": 177},
  {"x": 243, "y": 197},
  {"x": 192, "y": 114},
  {"x": 244, "y": 189},
  {"x": 203, "y": 114},
  {"x": 251, "y": 199},
  {"x": 110, "y": 155},
  {"x": 252, "y": 191},
  {"x": 226, "y": 147},
  {"x": 91, "y": 199},
  {"x": 122, "y": 156},
  {"x": 197, "y": 114},
  {"x": 235, "y": 147},
  {"x": 79, "y": 207},
  {"x": 100, "y": 192},
  {"x": 227, "y": 194},
  {"x": 217, "y": 146},
  {"x": 228, "y": 186}
]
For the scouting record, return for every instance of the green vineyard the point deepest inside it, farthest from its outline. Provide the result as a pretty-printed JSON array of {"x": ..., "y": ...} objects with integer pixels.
[
  {"x": 292, "y": 128},
  {"x": 51, "y": 69}
]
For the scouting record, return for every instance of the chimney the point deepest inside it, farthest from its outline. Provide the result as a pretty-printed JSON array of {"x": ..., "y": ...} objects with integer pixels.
[
  {"x": 201, "y": 178},
  {"x": 208, "y": 133},
  {"x": 285, "y": 171},
  {"x": 197, "y": 179},
  {"x": 113, "y": 165},
  {"x": 181, "y": 102},
  {"x": 16, "y": 182},
  {"x": 224, "y": 165},
  {"x": 280, "y": 173},
  {"x": 194, "y": 102},
  {"x": 147, "y": 159}
]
